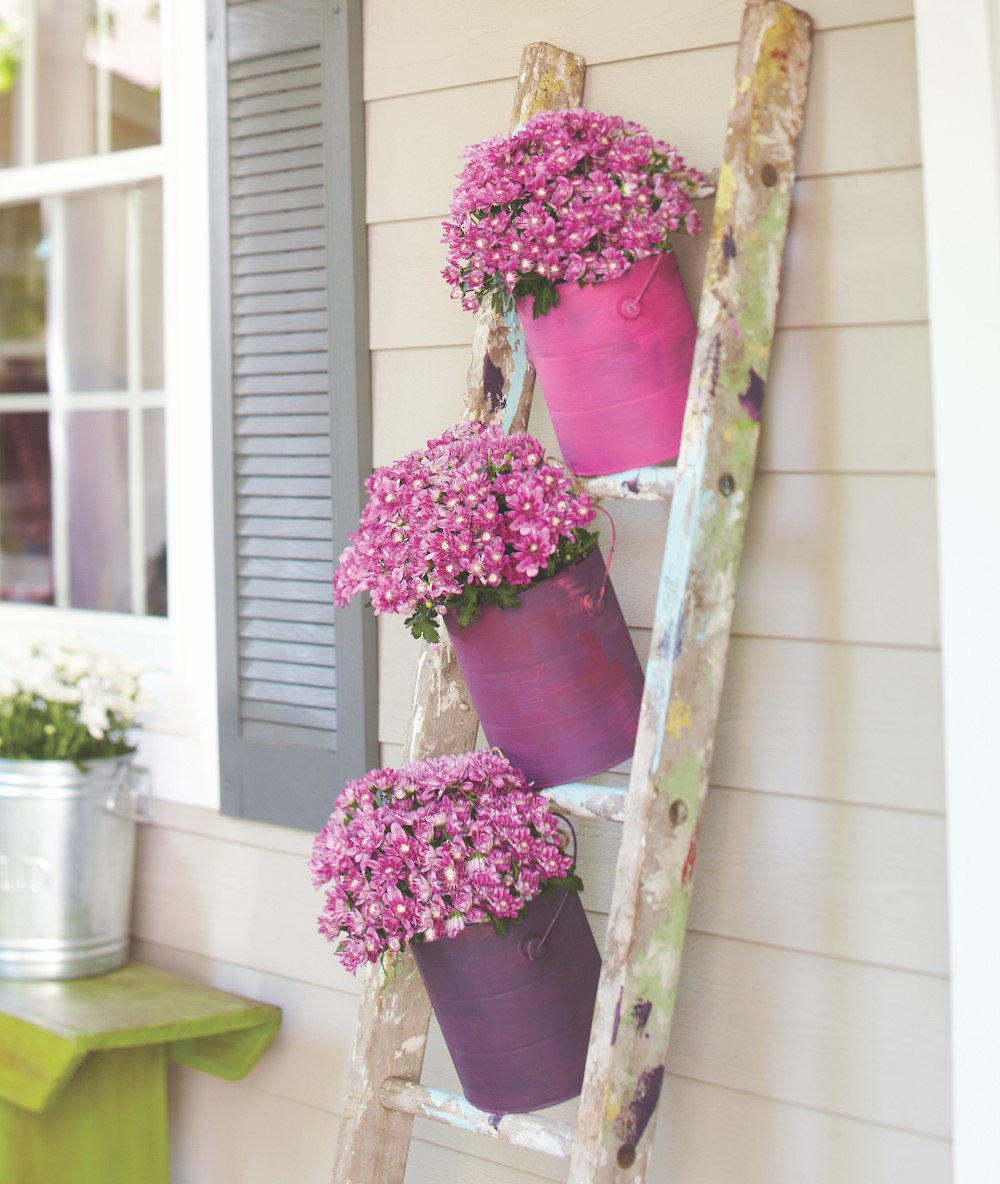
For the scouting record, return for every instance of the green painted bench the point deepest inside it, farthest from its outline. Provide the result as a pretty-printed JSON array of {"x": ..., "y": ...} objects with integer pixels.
[{"x": 83, "y": 1082}]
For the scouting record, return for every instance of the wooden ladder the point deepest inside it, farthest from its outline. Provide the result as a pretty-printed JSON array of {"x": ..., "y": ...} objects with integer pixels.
[{"x": 662, "y": 808}]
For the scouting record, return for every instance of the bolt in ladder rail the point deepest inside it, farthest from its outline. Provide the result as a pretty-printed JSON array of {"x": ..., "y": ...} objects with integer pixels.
[{"x": 662, "y": 807}]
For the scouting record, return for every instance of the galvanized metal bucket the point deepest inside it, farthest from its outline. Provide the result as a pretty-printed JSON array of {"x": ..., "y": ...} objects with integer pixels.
[
  {"x": 516, "y": 1010},
  {"x": 67, "y": 849}
]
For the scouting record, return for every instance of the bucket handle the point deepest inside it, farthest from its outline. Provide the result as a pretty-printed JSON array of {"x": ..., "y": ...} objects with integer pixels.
[
  {"x": 532, "y": 946},
  {"x": 130, "y": 796},
  {"x": 631, "y": 307},
  {"x": 595, "y": 604}
]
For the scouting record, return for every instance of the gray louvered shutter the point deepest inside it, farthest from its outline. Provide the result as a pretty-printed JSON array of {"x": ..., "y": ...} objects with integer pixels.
[{"x": 296, "y": 679}]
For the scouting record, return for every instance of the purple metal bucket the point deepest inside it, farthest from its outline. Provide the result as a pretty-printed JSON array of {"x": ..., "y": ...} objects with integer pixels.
[
  {"x": 555, "y": 681},
  {"x": 515, "y": 1012},
  {"x": 614, "y": 362}
]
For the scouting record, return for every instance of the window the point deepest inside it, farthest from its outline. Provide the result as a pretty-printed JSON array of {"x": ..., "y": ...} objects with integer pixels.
[
  {"x": 290, "y": 386},
  {"x": 82, "y": 404}
]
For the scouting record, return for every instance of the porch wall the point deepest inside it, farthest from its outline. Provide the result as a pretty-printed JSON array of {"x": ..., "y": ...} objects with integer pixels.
[{"x": 811, "y": 1036}]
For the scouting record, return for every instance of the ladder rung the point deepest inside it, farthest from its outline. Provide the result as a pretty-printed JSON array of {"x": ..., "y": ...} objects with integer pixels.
[
  {"x": 639, "y": 484},
  {"x": 583, "y": 800},
  {"x": 550, "y": 1135}
]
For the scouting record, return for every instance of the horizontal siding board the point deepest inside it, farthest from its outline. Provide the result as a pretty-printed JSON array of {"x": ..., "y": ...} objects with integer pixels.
[
  {"x": 854, "y": 255},
  {"x": 827, "y": 557},
  {"x": 440, "y": 45}
]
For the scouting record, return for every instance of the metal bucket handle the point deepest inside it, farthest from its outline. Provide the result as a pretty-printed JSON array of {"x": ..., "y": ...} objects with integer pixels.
[
  {"x": 532, "y": 946},
  {"x": 595, "y": 604},
  {"x": 130, "y": 796},
  {"x": 631, "y": 307}
]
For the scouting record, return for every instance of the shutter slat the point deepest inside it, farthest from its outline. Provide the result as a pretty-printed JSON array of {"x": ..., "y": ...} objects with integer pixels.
[
  {"x": 290, "y": 182},
  {"x": 267, "y": 244},
  {"x": 288, "y": 652},
  {"x": 251, "y": 445},
  {"x": 301, "y": 633},
  {"x": 262, "y": 673},
  {"x": 278, "y": 100},
  {"x": 273, "y": 27},
  {"x": 280, "y": 322},
  {"x": 277, "y": 71},
  {"x": 280, "y": 343},
  {"x": 312, "y": 279},
  {"x": 296, "y": 571},
  {"x": 280, "y": 384},
  {"x": 298, "y": 716},
  {"x": 279, "y": 364},
  {"x": 283, "y": 486},
  {"x": 282, "y": 404},
  {"x": 271, "y": 221},
  {"x": 308, "y": 260},
  {"x": 285, "y": 507},
  {"x": 270, "y": 123},
  {"x": 309, "y": 197},
  {"x": 288, "y": 735},
  {"x": 307, "y": 591},
  {"x": 307, "y": 157},
  {"x": 287, "y": 610},
  {"x": 291, "y": 528},
  {"x": 256, "y": 690},
  {"x": 281, "y": 466},
  {"x": 301, "y": 425},
  {"x": 311, "y": 301}
]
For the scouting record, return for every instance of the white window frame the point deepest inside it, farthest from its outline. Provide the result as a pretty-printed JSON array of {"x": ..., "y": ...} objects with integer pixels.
[{"x": 179, "y": 738}]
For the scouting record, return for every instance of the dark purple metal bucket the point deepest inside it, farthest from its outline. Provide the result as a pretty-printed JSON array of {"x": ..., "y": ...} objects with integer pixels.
[
  {"x": 515, "y": 1012},
  {"x": 555, "y": 681}
]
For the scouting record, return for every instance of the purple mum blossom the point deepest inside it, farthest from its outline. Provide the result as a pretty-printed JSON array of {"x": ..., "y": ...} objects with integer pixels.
[{"x": 418, "y": 853}]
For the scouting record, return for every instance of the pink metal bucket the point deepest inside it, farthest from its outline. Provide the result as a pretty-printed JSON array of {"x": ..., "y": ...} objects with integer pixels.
[
  {"x": 614, "y": 362},
  {"x": 516, "y": 1010},
  {"x": 555, "y": 681}
]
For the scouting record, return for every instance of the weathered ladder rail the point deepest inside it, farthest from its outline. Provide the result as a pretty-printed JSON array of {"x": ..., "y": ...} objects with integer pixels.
[{"x": 670, "y": 768}]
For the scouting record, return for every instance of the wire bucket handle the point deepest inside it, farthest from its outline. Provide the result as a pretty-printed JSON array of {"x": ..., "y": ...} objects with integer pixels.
[
  {"x": 532, "y": 945},
  {"x": 595, "y": 604}
]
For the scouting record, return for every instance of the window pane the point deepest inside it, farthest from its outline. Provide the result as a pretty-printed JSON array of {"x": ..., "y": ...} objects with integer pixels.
[
  {"x": 151, "y": 266},
  {"x": 25, "y": 508},
  {"x": 154, "y": 490},
  {"x": 87, "y": 254},
  {"x": 97, "y": 453},
  {"x": 22, "y": 301},
  {"x": 77, "y": 78}
]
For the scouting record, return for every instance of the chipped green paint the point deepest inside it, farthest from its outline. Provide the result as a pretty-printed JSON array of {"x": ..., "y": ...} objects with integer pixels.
[{"x": 671, "y": 766}]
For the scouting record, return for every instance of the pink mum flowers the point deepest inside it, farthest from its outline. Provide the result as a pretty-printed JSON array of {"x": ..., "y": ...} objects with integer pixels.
[
  {"x": 418, "y": 853},
  {"x": 465, "y": 521},
  {"x": 573, "y": 196}
]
